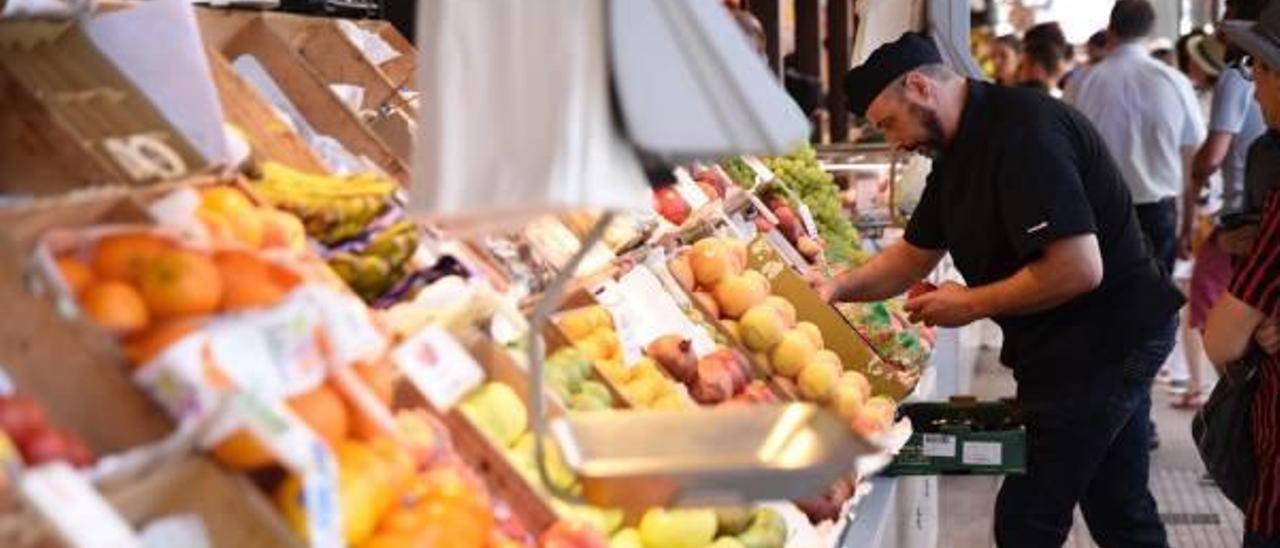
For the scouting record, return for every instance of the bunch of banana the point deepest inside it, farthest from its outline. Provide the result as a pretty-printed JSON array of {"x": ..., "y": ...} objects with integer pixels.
[
  {"x": 332, "y": 208},
  {"x": 376, "y": 267}
]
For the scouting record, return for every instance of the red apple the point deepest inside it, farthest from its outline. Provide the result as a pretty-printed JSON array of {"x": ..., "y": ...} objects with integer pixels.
[
  {"x": 21, "y": 417},
  {"x": 670, "y": 205}
]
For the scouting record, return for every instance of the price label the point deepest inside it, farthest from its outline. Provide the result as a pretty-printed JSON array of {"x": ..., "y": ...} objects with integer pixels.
[
  {"x": 186, "y": 379},
  {"x": 275, "y": 352},
  {"x": 939, "y": 445},
  {"x": 303, "y": 452},
  {"x": 438, "y": 366},
  {"x": 763, "y": 173},
  {"x": 688, "y": 189},
  {"x": 79, "y": 514},
  {"x": 145, "y": 156},
  {"x": 348, "y": 328},
  {"x": 629, "y": 323},
  {"x": 982, "y": 453}
]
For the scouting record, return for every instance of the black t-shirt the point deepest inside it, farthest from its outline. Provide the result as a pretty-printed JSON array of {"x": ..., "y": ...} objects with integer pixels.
[
  {"x": 1261, "y": 170},
  {"x": 1023, "y": 171}
]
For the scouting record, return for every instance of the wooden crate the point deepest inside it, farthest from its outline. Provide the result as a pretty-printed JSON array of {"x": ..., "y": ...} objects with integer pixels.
[{"x": 235, "y": 34}]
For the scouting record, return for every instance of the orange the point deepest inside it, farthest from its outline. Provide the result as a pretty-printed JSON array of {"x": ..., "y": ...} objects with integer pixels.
[
  {"x": 248, "y": 282},
  {"x": 124, "y": 257},
  {"x": 380, "y": 378},
  {"x": 116, "y": 306},
  {"x": 74, "y": 273},
  {"x": 239, "y": 212},
  {"x": 216, "y": 224},
  {"x": 324, "y": 411},
  {"x": 145, "y": 346},
  {"x": 242, "y": 451},
  {"x": 181, "y": 283},
  {"x": 393, "y": 540}
]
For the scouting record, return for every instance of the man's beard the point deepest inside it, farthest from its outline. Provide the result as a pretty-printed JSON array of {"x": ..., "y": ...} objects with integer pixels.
[{"x": 933, "y": 141}]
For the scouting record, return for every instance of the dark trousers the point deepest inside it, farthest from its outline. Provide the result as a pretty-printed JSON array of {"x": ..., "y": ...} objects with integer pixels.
[
  {"x": 1159, "y": 222},
  {"x": 1254, "y": 540},
  {"x": 1087, "y": 445}
]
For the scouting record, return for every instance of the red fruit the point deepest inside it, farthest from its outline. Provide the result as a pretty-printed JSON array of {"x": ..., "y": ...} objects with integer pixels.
[
  {"x": 715, "y": 382},
  {"x": 47, "y": 446},
  {"x": 572, "y": 535},
  {"x": 675, "y": 354},
  {"x": 920, "y": 288},
  {"x": 670, "y": 205},
  {"x": 21, "y": 417},
  {"x": 709, "y": 189},
  {"x": 763, "y": 224}
]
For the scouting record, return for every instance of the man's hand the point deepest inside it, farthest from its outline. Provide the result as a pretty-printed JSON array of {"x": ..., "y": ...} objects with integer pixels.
[
  {"x": 951, "y": 305},
  {"x": 824, "y": 284},
  {"x": 1238, "y": 241},
  {"x": 1268, "y": 336},
  {"x": 1184, "y": 245}
]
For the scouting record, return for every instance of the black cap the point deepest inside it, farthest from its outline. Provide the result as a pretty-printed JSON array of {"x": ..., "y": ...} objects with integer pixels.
[{"x": 864, "y": 82}]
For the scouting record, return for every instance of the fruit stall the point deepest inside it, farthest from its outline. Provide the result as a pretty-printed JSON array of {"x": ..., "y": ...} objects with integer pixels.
[{"x": 236, "y": 328}]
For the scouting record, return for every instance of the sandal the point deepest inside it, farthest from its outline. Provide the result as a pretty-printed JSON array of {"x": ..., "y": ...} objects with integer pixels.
[{"x": 1191, "y": 400}]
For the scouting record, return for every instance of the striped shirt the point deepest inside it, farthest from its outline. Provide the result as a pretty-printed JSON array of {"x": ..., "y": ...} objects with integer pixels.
[{"x": 1257, "y": 283}]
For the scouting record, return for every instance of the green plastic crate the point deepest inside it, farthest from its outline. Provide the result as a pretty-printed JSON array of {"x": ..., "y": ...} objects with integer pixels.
[{"x": 962, "y": 437}]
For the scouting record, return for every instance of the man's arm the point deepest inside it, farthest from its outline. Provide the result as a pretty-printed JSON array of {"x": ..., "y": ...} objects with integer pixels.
[
  {"x": 1231, "y": 325},
  {"x": 1207, "y": 161},
  {"x": 1069, "y": 267},
  {"x": 886, "y": 275}
]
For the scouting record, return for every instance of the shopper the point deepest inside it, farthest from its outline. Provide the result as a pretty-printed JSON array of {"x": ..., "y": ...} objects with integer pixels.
[
  {"x": 1248, "y": 312},
  {"x": 1045, "y": 53},
  {"x": 1005, "y": 51},
  {"x": 1037, "y": 218},
  {"x": 1095, "y": 50},
  {"x": 1234, "y": 122},
  {"x": 1148, "y": 115}
]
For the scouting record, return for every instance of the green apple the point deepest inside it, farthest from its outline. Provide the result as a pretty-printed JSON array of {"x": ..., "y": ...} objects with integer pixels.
[{"x": 678, "y": 528}]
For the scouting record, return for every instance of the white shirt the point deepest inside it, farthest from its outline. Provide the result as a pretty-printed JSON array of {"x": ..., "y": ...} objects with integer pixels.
[{"x": 1147, "y": 114}]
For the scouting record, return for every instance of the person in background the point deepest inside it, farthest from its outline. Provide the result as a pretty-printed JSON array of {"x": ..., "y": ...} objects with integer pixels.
[
  {"x": 1095, "y": 50},
  {"x": 1162, "y": 50},
  {"x": 1037, "y": 218},
  {"x": 1242, "y": 322},
  {"x": 1235, "y": 121},
  {"x": 1045, "y": 53},
  {"x": 1005, "y": 51},
  {"x": 1152, "y": 134}
]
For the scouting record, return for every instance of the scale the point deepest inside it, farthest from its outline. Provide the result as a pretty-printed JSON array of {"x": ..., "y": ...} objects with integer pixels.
[{"x": 720, "y": 456}]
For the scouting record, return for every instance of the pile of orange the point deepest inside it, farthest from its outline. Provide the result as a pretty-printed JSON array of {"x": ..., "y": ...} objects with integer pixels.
[
  {"x": 151, "y": 291},
  {"x": 388, "y": 499},
  {"x": 230, "y": 216}
]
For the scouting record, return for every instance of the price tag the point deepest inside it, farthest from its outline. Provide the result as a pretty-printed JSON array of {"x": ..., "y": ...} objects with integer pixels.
[
  {"x": 186, "y": 379},
  {"x": 806, "y": 219},
  {"x": 982, "y": 453},
  {"x": 763, "y": 173},
  {"x": 276, "y": 352},
  {"x": 630, "y": 324},
  {"x": 438, "y": 366},
  {"x": 303, "y": 452},
  {"x": 79, "y": 514},
  {"x": 688, "y": 189},
  {"x": 939, "y": 445},
  {"x": 348, "y": 327},
  {"x": 658, "y": 313}
]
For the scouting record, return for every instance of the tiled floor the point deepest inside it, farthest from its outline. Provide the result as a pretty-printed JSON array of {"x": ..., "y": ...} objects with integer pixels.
[{"x": 1196, "y": 515}]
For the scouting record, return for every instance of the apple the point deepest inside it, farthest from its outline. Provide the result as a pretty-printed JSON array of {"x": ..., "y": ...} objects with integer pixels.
[
  {"x": 859, "y": 380},
  {"x": 788, "y": 313},
  {"x": 817, "y": 379},
  {"x": 709, "y": 190},
  {"x": 738, "y": 293},
  {"x": 792, "y": 353},
  {"x": 788, "y": 223},
  {"x": 763, "y": 224},
  {"x": 566, "y": 534},
  {"x": 762, "y": 328},
  {"x": 711, "y": 260},
  {"x": 21, "y": 417},
  {"x": 675, "y": 354},
  {"x": 669, "y": 204},
  {"x": 678, "y": 528},
  {"x": 846, "y": 398}
]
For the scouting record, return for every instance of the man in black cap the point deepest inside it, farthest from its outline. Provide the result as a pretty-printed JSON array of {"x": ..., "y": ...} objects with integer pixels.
[{"x": 1037, "y": 218}]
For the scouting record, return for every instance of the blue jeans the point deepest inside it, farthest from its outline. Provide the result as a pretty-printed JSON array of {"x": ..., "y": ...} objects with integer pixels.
[{"x": 1087, "y": 444}]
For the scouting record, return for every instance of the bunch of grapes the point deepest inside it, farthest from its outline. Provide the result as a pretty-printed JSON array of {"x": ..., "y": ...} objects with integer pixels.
[
  {"x": 739, "y": 171},
  {"x": 801, "y": 173}
]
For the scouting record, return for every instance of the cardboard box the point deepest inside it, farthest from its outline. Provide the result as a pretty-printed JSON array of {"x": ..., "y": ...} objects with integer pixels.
[
  {"x": 74, "y": 120},
  {"x": 962, "y": 437}
]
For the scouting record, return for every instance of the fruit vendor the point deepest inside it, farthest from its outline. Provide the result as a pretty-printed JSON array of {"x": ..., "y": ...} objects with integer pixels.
[{"x": 1039, "y": 221}]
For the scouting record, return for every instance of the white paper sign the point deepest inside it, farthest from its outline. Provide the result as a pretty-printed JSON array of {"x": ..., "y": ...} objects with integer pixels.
[
  {"x": 304, "y": 453},
  {"x": 939, "y": 445},
  {"x": 79, "y": 514},
  {"x": 185, "y": 96},
  {"x": 688, "y": 189},
  {"x": 438, "y": 366},
  {"x": 982, "y": 453}
]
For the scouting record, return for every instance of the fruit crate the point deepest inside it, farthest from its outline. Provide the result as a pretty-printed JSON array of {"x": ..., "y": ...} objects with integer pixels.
[{"x": 962, "y": 436}]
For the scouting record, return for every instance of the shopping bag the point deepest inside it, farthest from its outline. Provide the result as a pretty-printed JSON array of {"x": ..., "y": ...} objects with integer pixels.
[{"x": 1223, "y": 433}]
